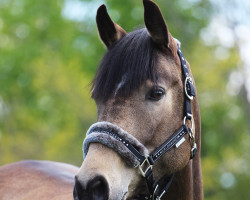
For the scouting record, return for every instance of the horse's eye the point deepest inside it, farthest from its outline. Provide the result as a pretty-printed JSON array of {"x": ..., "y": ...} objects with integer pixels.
[{"x": 155, "y": 94}]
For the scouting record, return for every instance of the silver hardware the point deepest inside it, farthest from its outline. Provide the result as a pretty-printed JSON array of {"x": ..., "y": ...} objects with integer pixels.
[
  {"x": 146, "y": 161},
  {"x": 194, "y": 147},
  {"x": 191, "y": 135},
  {"x": 185, "y": 86},
  {"x": 180, "y": 142},
  {"x": 184, "y": 121},
  {"x": 158, "y": 197},
  {"x": 155, "y": 191},
  {"x": 193, "y": 144},
  {"x": 193, "y": 150}
]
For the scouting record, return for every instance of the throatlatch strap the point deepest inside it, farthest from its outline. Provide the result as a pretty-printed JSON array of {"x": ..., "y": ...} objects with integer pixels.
[{"x": 156, "y": 192}]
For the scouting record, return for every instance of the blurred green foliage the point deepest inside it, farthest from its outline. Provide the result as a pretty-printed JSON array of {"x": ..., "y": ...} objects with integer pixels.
[{"x": 47, "y": 62}]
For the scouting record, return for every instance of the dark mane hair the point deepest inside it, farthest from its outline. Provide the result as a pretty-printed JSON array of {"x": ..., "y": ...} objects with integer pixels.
[{"x": 131, "y": 60}]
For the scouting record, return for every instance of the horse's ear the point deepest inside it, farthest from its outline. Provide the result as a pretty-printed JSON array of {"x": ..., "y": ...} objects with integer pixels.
[
  {"x": 109, "y": 31},
  {"x": 155, "y": 24}
]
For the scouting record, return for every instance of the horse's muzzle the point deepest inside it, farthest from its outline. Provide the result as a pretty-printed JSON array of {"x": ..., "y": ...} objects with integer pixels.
[{"x": 96, "y": 189}]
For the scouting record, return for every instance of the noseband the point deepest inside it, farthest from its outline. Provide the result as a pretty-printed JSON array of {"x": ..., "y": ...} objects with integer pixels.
[{"x": 135, "y": 153}]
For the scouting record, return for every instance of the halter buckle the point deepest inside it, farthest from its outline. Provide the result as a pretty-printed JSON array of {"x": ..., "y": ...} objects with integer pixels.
[
  {"x": 146, "y": 163},
  {"x": 188, "y": 80}
]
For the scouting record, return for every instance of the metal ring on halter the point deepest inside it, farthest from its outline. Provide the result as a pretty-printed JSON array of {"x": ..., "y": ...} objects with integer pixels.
[
  {"x": 188, "y": 78},
  {"x": 191, "y": 135},
  {"x": 184, "y": 122}
]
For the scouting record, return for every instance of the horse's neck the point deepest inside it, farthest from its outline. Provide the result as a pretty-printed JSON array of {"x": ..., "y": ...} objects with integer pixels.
[{"x": 187, "y": 184}]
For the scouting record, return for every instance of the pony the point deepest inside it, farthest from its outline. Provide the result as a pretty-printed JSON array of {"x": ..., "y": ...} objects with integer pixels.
[
  {"x": 145, "y": 94},
  {"x": 146, "y": 143}
]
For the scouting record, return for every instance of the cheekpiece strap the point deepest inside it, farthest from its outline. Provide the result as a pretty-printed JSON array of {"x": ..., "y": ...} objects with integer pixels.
[{"x": 188, "y": 85}]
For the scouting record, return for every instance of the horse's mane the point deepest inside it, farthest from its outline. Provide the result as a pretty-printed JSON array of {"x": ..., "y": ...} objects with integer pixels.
[{"x": 126, "y": 66}]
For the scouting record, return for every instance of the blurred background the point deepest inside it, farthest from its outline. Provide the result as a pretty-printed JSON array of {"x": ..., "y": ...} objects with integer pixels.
[{"x": 49, "y": 52}]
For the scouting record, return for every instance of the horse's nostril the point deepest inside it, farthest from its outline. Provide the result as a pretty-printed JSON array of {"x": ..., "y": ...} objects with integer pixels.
[
  {"x": 78, "y": 192},
  {"x": 75, "y": 195},
  {"x": 96, "y": 189}
]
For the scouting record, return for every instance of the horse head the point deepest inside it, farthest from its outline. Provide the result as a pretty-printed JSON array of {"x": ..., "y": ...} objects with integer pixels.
[{"x": 139, "y": 90}]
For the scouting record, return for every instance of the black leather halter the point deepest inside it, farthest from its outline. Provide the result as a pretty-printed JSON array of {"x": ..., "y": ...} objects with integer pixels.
[{"x": 156, "y": 189}]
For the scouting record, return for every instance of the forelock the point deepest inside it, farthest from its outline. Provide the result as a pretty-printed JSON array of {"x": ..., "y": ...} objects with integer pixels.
[{"x": 133, "y": 57}]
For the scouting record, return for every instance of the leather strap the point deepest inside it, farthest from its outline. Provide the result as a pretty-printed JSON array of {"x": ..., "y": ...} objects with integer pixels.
[
  {"x": 168, "y": 144},
  {"x": 188, "y": 86}
]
